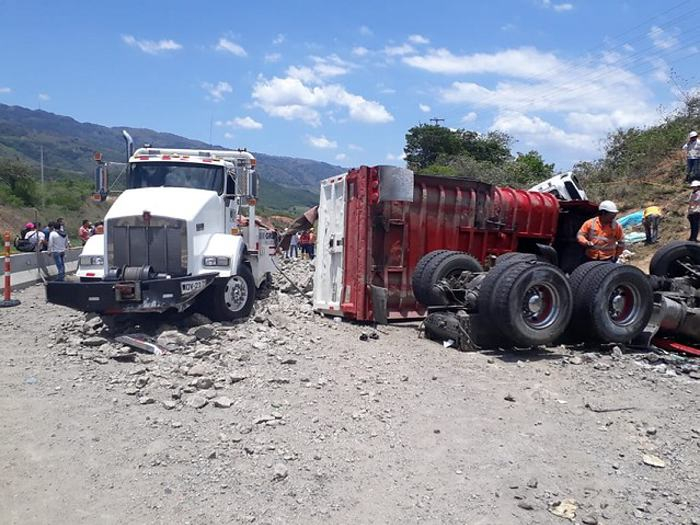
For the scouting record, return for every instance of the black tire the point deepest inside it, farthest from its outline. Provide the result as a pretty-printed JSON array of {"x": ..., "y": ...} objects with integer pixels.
[
  {"x": 663, "y": 263},
  {"x": 515, "y": 257},
  {"x": 613, "y": 303},
  {"x": 232, "y": 297},
  {"x": 578, "y": 327},
  {"x": 436, "y": 266},
  {"x": 531, "y": 304}
]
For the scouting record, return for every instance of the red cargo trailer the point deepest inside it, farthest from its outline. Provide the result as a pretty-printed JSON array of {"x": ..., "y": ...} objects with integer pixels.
[{"x": 375, "y": 223}]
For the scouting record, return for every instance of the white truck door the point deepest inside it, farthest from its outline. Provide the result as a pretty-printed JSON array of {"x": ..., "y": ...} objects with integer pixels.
[{"x": 328, "y": 277}]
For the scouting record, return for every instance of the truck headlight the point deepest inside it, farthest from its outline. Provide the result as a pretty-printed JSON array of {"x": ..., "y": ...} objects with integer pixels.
[
  {"x": 217, "y": 261},
  {"x": 91, "y": 260}
]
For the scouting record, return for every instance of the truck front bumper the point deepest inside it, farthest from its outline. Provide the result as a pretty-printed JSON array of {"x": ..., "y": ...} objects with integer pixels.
[{"x": 120, "y": 297}]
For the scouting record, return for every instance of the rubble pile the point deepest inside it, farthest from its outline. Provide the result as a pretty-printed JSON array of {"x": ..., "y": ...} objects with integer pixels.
[{"x": 197, "y": 363}]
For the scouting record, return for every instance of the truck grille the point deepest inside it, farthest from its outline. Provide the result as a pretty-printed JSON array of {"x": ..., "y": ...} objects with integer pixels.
[{"x": 162, "y": 243}]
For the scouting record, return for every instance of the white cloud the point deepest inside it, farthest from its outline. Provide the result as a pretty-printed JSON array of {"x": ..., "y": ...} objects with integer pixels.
[
  {"x": 323, "y": 67},
  {"x": 662, "y": 71},
  {"x": 360, "y": 51},
  {"x": 279, "y": 39},
  {"x": 534, "y": 130},
  {"x": 391, "y": 157},
  {"x": 44, "y": 97},
  {"x": 321, "y": 142},
  {"x": 365, "y": 31},
  {"x": 151, "y": 47},
  {"x": 217, "y": 91},
  {"x": 4, "y": 90},
  {"x": 228, "y": 135},
  {"x": 424, "y": 108},
  {"x": 525, "y": 62},
  {"x": 355, "y": 147},
  {"x": 292, "y": 99},
  {"x": 469, "y": 117},
  {"x": 418, "y": 39},
  {"x": 559, "y": 8},
  {"x": 229, "y": 46},
  {"x": 403, "y": 49},
  {"x": 272, "y": 57},
  {"x": 387, "y": 91},
  {"x": 508, "y": 27},
  {"x": 341, "y": 156},
  {"x": 662, "y": 39},
  {"x": 240, "y": 122}
]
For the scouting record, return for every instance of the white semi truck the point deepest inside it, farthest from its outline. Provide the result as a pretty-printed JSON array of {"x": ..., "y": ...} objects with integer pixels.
[{"x": 183, "y": 233}]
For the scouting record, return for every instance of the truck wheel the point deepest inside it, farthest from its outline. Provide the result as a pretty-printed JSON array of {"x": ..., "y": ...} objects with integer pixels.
[
  {"x": 232, "y": 298},
  {"x": 665, "y": 262},
  {"x": 578, "y": 327},
  {"x": 613, "y": 303},
  {"x": 442, "y": 265},
  {"x": 515, "y": 257},
  {"x": 531, "y": 303}
]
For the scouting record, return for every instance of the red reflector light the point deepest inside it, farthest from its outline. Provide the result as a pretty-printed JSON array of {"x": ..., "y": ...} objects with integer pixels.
[
  {"x": 166, "y": 157},
  {"x": 144, "y": 157},
  {"x": 90, "y": 274}
]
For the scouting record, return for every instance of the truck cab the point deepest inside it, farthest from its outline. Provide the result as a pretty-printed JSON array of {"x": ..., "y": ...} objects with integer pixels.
[{"x": 183, "y": 232}]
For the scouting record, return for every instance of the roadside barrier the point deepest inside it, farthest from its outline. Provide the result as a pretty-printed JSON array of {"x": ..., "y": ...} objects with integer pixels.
[{"x": 7, "y": 291}]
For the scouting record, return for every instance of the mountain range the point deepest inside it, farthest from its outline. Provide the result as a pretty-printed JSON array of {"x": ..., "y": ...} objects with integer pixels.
[{"x": 69, "y": 146}]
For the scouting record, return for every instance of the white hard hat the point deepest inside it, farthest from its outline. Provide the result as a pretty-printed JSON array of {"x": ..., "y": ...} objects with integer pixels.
[
  {"x": 692, "y": 134},
  {"x": 695, "y": 184},
  {"x": 608, "y": 206}
]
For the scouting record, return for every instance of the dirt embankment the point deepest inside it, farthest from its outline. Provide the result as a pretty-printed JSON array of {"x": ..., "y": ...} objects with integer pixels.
[{"x": 290, "y": 417}]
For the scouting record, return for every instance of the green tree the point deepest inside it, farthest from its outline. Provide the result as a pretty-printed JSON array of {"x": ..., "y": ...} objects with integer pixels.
[
  {"x": 529, "y": 168},
  {"x": 19, "y": 186},
  {"x": 427, "y": 143}
]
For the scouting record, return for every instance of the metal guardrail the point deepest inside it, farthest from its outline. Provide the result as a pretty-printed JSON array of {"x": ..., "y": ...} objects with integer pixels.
[{"x": 27, "y": 268}]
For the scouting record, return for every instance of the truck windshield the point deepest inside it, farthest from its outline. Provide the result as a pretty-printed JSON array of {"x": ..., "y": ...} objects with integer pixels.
[{"x": 170, "y": 174}]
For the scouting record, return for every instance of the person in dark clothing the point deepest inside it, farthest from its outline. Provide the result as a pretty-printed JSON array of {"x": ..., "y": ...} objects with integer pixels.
[{"x": 694, "y": 211}]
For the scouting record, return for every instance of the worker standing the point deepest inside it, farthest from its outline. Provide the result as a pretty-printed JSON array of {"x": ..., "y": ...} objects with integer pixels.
[
  {"x": 602, "y": 236},
  {"x": 58, "y": 244},
  {"x": 692, "y": 149},
  {"x": 651, "y": 219},
  {"x": 84, "y": 231},
  {"x": 694, "y": 211}
]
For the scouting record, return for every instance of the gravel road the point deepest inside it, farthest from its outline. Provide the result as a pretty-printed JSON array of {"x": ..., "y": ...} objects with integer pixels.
[{"x": 290, "y": 417}]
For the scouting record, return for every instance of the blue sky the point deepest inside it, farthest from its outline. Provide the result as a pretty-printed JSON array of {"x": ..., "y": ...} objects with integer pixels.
[{"x": 343, "y": 82}]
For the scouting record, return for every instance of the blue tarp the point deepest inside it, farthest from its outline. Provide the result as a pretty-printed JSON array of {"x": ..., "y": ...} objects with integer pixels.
[
  {"x": 635, "y": 237},
  {"x": 631, "y": 220}
]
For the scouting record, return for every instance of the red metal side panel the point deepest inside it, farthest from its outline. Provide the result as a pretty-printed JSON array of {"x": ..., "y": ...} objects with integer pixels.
[{"x": 385, "y": 241}]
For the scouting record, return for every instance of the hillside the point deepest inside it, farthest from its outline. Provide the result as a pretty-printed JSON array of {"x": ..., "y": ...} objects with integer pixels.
[
  {"x": 644, "y": 166},
  {"x": 69, "y": 146}
]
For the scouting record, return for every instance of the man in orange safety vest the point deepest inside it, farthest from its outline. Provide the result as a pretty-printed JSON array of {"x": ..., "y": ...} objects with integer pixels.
[{"x": 602, "y": 236}]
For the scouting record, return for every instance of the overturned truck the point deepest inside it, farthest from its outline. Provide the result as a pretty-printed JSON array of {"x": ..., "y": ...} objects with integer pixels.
[{"x": 397, "y": 246}]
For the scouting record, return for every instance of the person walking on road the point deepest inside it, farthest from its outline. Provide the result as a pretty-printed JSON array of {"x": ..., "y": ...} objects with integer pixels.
[
  {"x": 651, "y": 219},
  {"x": 694, "y": 211},
  {"x": 58, "y": 244},
  {"x": 602, "y": 236},
  {"x": 692, "y": 149}
]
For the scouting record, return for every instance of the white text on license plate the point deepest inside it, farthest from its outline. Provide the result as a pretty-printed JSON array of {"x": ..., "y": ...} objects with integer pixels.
[{"x": 191, "y": 286}]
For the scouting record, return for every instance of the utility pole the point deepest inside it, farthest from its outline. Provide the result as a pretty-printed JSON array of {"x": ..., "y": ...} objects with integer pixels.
[
  {"x": 436, "y": 121},
  {"x": 43, "y": 188}
]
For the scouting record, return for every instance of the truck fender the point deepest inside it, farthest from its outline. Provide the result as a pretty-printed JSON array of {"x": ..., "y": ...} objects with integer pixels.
[{"x": 224, "y": 245}]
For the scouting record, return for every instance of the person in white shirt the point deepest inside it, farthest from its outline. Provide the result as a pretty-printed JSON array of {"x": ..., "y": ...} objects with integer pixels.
[
  {"x": 58, "y": 244},
  {"x": 34, "y": 236},
  {"x": 692, "y": 149}
]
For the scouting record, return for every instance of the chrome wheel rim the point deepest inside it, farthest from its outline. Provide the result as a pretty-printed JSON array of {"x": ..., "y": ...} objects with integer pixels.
[{"x": 236, "y": 293}]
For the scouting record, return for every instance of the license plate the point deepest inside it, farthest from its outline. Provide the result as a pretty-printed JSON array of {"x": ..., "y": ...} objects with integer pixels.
[{"x": 189, "y": 287}]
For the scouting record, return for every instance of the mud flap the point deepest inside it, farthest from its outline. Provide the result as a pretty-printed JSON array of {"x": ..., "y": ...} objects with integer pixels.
[{"x": 379, "y": 306}]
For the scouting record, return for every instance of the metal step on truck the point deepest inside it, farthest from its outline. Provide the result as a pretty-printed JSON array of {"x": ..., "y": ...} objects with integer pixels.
[
  {"x": 184, "y": 233},
  {"x": 489, "y": 266}
]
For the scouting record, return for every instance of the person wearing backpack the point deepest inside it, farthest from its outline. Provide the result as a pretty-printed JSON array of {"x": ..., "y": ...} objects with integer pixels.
[{"x": 33, "y": 237}]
